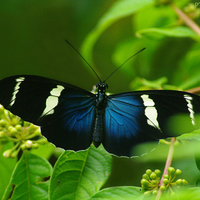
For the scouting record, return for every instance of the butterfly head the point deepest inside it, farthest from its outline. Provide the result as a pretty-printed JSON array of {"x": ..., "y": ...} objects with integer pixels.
[{"x": 101, "y": 87}]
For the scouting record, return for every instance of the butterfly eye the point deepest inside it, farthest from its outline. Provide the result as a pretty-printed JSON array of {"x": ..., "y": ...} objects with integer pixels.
[
  {"x": 106, "y": 86},
  {"x": 101, "y": 87}
]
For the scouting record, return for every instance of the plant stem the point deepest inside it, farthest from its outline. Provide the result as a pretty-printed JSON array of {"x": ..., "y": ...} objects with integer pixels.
[
  {"x": 194, "y": 90},
  {"x": 167, "y": 165},
  {"x": 189, "y": 22}
]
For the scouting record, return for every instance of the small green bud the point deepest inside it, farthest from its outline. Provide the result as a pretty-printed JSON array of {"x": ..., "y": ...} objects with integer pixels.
[
  {"x": 37, "y": 132},
  {"x": 144, "y": 183},
  {"x": 148, "y": 172},
  {"x": 26, "y": 124},
  {"x": 190, "y": 8},
  {"x": 145, "y": 176},
  {"x": 42, "y": 141},
  {"x": 178, "y": 172},
  {"x": 32, "y": 128},
  {"x": 35, "y": 145},
  {"x": 154, "y": 182},
  {"x": 157, "y": 172},
  {"x": 166, "y": 176},
  {"x": 18, "y": 127},
  {"x": 155, "y": 192},
  {"x": 23, "y": 146},
  {"x": 13, "y": 131},
  {"x": 3, "y": 123},
  {"x": 147, "y": 193},
  {"x": 7, "y": 153},
  {"x": 171, "y": 170},
  {"x": 162, "y": 188},
  {"x": 10, "y": 128},
  {"x": 14, "y": 154},
  {"x": 28, "y": 144},
  {"x": 165, "y": 181},
  {"x": 153, "y": 176},
  {"x": 179, "y": 181},
  {"x": 184, "y": 182}
]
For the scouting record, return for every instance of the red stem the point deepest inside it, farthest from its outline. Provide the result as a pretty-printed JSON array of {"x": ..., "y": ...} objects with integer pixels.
[{"x": 167, "y": 165}]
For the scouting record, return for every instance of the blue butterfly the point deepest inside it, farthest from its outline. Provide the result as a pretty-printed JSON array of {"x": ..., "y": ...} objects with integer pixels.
[{"x": 73, "y": 118}]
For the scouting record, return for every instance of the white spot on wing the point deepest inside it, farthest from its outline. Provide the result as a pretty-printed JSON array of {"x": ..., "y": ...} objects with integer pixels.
[
  {"x": 150, "y": 111},
  {"x": 52, "y": 100},
  {"x": 189, "y": 99},
  {"x": 16, "y": 89}
]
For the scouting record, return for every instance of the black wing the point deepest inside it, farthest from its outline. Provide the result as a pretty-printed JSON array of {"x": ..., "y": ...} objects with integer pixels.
[
  {"x": 136, "y": 117},
  {"x": 65, "y": 113}
]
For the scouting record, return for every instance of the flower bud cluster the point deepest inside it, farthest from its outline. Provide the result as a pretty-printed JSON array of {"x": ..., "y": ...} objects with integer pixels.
[
  {"x": 151, "y": 180},
  {"x": 192, "y": 10},
  {"x": 24, "y": 135},
  {"x": 170, "y": 178}
]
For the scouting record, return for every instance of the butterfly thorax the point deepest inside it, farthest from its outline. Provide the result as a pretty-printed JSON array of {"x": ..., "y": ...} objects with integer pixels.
[
  {"x": 100, "y": 106},
  {"x": 101, "y": 95}
]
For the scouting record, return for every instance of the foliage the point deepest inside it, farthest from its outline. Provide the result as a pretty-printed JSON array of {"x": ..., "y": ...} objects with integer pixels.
[{"x": 118, "y": 29}]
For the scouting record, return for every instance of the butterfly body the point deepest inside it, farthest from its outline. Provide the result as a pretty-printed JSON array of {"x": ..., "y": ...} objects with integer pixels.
[
  {"x": 101, "y": 98},
  {"x": 73, "y": 118}
]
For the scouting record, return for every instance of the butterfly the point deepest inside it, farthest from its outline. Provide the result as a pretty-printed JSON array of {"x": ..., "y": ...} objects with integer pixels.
[{"x": 73, "y": 118}]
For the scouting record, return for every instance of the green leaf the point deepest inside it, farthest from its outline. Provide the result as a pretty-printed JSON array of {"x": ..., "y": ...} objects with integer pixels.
[
  {"x": 123, "y": 8},
  {"x": 195, "y": 135},
  {"x": 119, "y": 10},
  {"x": 142, "y": 83},
  {"x": 26, "y": 181},
  {"x": 160, "y": 17},
  {"x": 197, "y": 161},
  {"x": 79, "y": 175},
  {"x": 183, "y": 194},
  {"x": 115, "y": 193},
  {"x": 188, "y": 75},
  {"x": 45, "y": 151},
  {"x": 159, "y": 33},
  {"x": 126, "y": 49},
  {"x": 185, "y": 149},
  {"x": 6, "y": 167},
  {"x": 193, "y": 81}
]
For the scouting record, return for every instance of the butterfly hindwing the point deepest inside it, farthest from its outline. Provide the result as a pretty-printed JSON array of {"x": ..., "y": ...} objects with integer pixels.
[
  {"x": 62, "y": 110},
  {"x": 136, "y": 117},
  {"x": 67, "y": 115}
]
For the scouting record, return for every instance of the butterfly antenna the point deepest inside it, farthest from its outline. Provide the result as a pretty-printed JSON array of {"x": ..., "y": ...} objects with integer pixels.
[
  {"x": 83, "y": 59},
  {"x": 123, "y": 64}
]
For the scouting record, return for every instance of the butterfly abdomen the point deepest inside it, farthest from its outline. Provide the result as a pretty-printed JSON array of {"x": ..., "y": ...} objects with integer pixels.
[
  {"x": 100, "y": 108},
  {"x": 98, "y": 128}
]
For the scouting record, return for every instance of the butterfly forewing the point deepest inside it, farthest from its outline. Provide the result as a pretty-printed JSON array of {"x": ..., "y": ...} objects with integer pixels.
[
  {"x": 67, "y": 115},
  {"x": 136, "y": 117},
  {"x": 63, "y": 111}
]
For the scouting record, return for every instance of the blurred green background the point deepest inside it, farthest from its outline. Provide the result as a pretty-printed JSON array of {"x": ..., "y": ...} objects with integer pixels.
[{"x": 32, "y": 41}]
